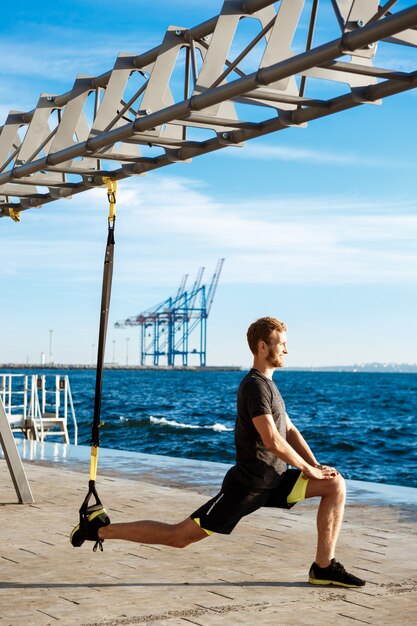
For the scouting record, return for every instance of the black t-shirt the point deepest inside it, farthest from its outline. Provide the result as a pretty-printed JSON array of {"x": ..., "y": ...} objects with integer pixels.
[{"x": 255, "y": 465}]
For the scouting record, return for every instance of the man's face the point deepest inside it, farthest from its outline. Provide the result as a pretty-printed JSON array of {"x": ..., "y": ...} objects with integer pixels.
[{"x": 277, "y": 348}]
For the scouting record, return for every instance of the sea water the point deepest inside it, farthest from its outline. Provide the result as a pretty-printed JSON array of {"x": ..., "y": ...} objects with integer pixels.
[{"x": 362, "y": 423}]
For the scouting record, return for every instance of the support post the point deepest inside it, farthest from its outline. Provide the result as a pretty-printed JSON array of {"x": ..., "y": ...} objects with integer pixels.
[{"x": 13, "y": 460}]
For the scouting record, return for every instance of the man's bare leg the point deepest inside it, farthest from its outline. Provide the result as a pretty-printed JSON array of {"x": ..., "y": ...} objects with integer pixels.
[
  {"x": 147, "y": 531},
  {"x": 329, "y": 516}
]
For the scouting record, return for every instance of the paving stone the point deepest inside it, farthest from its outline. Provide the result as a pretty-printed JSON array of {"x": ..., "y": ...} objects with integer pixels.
[{"x": 255, "y": 576}]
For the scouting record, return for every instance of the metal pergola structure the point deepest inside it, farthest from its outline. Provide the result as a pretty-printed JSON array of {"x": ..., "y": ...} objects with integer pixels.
[
  {"x": 194, "y": 94},
  {"x": 165, "y": 329}
]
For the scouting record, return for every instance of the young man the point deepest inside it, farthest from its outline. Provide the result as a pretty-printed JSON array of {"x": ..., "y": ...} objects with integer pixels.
[{"x": 266, "y": 442}]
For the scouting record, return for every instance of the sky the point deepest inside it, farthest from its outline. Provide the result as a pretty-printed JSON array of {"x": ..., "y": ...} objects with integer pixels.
[{"x": 318, "y": 226}]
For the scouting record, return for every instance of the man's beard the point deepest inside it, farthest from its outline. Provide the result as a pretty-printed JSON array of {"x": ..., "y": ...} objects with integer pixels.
[{"x": 275, "y": 360}]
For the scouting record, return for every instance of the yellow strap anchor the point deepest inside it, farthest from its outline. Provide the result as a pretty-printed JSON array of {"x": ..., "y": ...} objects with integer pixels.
[
  {"x": 111, "y": 195},
  {"x": 15, "y": 215}
]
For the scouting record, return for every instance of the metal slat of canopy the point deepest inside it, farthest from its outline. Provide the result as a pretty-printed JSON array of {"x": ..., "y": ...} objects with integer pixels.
[{"x": 139, "y": 123}]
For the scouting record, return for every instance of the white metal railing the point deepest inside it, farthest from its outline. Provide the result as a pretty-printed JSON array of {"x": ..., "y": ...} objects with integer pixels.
[
  {"x": 14, "y": 394},
  {"x": 39, "y": 405}
]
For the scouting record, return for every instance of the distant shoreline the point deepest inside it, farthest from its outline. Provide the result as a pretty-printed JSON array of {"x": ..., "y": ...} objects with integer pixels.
[
  {"x": 117, "y": 366},
  {"x": 400, "y": 368}
]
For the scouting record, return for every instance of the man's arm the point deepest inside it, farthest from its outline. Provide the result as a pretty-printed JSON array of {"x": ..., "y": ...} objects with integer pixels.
[
  {"x": 297, "y": 441},
  {"x": 275, "y": 443}
]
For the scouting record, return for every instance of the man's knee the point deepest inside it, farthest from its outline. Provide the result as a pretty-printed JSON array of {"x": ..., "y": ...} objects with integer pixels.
[
  {"x": 180, "y": 539},
  {"x": 338, "y": 485},
  {"x": 331, "y": 487},
  {"x": 186, "y": 533}
]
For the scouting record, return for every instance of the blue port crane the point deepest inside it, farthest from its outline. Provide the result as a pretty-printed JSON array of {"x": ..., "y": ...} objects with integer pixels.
[{"x": 166, "y": 329}]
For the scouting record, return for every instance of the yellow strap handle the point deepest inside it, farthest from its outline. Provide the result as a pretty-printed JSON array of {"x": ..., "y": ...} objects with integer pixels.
[
  {"x": 93, "y": 462},
  {"x": 15, "y": 215},
  {"x": 111, "y": 195}
]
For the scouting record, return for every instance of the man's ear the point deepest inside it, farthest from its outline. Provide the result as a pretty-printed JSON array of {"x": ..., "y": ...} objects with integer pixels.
[{"x": 261, "y": 346}]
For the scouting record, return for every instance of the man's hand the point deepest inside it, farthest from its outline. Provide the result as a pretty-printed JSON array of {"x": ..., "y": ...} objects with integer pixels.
[
  {"x": 320, "y": 472},
  {"x": 320, "y": 466}
]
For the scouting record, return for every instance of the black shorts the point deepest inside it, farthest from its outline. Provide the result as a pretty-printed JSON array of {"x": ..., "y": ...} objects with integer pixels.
[{"x": 235, "y": 500}]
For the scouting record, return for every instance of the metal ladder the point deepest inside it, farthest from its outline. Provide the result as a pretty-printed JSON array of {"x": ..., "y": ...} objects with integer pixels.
[
  {"x": 38, "y": 405},
  {"x": 14, "y": 394}
]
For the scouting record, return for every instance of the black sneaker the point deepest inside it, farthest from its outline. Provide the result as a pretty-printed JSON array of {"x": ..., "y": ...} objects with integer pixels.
[
  {"x": 96, "y": 517},
  {"x": 334, "y": 574}
]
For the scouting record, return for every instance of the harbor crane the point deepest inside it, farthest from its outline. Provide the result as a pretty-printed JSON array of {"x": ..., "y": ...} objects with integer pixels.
[{"x": 166, "y": 329}]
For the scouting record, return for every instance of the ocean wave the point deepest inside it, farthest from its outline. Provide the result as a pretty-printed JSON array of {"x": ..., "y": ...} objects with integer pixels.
[
  {"x": 361, "y": 443},
  {"x": 162, "y": 421}
]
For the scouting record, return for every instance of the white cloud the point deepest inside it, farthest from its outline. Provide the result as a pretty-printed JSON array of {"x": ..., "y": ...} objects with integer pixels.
[
  {"x": 61, "y": 60},
  {"x": 174, "y": 226},
  {"x": 265, "y": 152}
]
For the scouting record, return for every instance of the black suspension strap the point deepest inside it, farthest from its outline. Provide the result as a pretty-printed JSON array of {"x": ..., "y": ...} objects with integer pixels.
[{"x": 87, "y": 509}]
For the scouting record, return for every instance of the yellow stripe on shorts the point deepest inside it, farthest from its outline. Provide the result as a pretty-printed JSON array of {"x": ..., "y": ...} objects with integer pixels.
[
  {"x": 298, "y": 492},
  {"x": 209, "y": 532}
]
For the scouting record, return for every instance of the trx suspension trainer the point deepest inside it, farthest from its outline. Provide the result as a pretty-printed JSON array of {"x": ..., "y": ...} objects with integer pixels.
[{"x": 87, "y": 510}]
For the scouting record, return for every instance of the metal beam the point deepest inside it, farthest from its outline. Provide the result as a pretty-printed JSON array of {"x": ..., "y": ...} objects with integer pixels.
[
  {"x": 14, "y": 463},
  {"x": 49, "y": 148}
]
